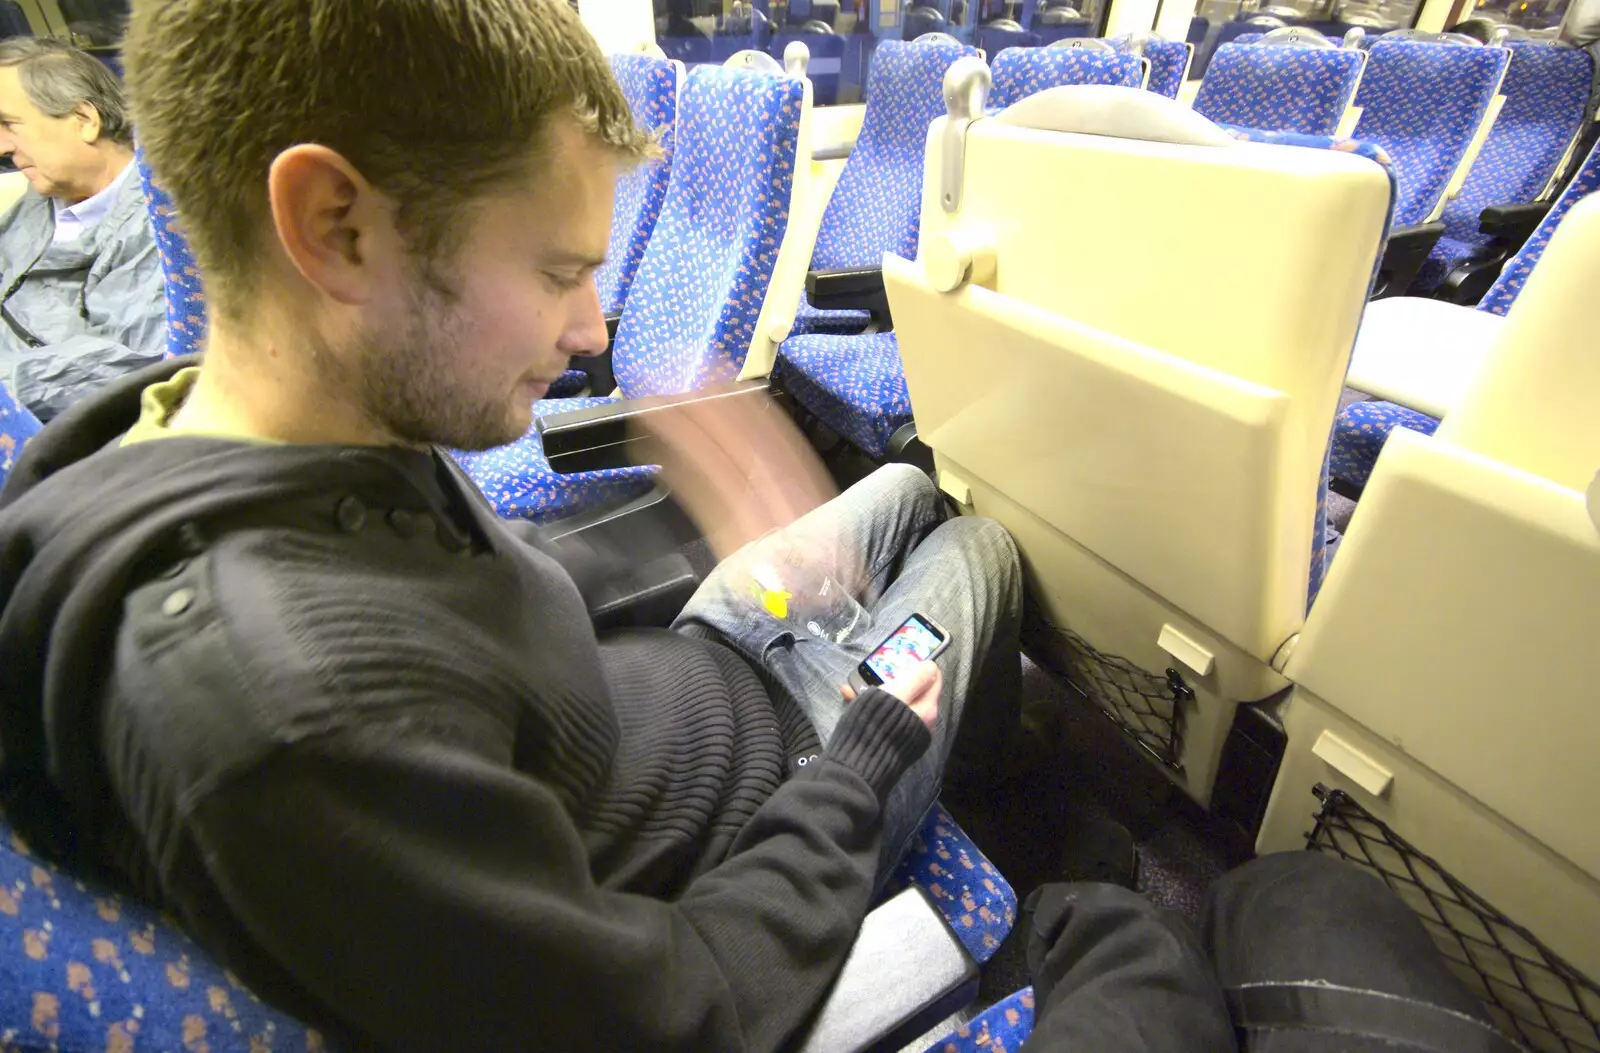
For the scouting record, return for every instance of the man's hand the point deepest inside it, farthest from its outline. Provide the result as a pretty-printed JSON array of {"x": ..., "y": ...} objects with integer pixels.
[
  {"x": 918, "y": 689},
  {"x": 739, "y": 467}
]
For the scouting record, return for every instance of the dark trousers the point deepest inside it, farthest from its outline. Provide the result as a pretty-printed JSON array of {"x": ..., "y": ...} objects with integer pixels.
[{"x": 1295, "y": 953}]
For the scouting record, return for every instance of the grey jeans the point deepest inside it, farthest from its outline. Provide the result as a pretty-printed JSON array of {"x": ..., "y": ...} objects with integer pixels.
[{"x": 887, "y": 540}]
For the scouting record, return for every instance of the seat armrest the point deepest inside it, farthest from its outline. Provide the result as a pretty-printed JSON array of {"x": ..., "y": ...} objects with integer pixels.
[
  {"x": 607, "y": 436},
  {"x": 850, "y": 289},
  {"x": 905, "y": 974},
  {"x": 1404, "y": 256},
  {"x": 1513, "y": 223}
]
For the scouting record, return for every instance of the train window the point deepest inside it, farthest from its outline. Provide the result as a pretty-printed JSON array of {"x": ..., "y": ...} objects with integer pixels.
[
  {"x": 1529, "y": 14},
  {"x": 1217, "y": 22}
]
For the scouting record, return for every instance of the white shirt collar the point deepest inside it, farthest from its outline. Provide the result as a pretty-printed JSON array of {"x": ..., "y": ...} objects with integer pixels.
[{"x": 73, "y": 221}]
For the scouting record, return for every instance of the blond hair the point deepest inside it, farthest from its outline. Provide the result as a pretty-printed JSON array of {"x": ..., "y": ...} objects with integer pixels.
[{"x": 436, "y": 102}]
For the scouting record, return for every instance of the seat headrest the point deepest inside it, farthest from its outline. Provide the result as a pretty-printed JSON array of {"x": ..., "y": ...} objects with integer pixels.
[{"x": 1125, "y": 113}]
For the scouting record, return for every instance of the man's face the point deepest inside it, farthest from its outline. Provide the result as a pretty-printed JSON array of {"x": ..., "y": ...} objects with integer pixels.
[
  {"x": 462, "y": 366},
  {"x": 51, "y": 151}
]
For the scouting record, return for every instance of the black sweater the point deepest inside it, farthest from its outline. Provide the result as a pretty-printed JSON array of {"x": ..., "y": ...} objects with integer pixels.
[{"x": 361, "y": 738}]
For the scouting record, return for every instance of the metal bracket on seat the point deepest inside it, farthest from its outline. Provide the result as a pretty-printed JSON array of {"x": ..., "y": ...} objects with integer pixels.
[
  {"x": 1353, "y": 38},
  {"x": 937, "y": 38},
  {"x": 1082, "y": 44},
  {"x": 966, "y": 89},
  {"x": 756, "y": 61},
  {"x": 1298, "y": 37}
]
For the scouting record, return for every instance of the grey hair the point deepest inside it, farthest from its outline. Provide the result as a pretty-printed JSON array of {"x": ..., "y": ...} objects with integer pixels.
[{"x": 57, "y": 77}]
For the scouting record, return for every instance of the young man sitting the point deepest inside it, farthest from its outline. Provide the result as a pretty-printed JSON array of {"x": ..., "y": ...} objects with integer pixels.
[{"x": 272, "y": 661}]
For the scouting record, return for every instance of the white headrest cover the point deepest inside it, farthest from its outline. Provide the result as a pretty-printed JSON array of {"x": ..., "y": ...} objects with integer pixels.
[{"x": 1124, "y": 113}]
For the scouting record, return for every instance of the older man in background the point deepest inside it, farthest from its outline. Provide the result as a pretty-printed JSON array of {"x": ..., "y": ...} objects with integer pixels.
[{"x": 82, "y": 299}]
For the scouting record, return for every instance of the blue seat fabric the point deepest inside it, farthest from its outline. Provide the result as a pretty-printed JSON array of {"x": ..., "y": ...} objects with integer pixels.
[
  {"x": 876, "y": 206},
  {"x": 1546, "y": 91},
  {"x": 691, "y": 312},
  {"x": 1422, "y": 103},
  {"x": 651, "y": 87},
  {"x": 186, "y": 299},
  {"x": 17, "y": 426},
  {"x": 1281, "y": 89},
  {"x": 1169, "y": 63},
  {"x": 1002, "y": 1028},
  {"x": 1020, "y": 72}
]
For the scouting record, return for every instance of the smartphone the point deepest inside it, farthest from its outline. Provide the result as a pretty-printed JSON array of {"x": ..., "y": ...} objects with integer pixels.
[{"x": 917, "y": 639}]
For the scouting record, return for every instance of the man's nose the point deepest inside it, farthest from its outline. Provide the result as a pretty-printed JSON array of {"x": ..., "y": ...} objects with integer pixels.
[{"x": 586, "y": 326}]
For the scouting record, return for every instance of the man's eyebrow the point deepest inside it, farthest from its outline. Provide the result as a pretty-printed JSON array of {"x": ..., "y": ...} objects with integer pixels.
[{"x": 4, "y": 116}]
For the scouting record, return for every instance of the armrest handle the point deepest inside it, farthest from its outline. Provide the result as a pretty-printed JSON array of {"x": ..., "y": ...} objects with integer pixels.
[
  {"x": 1403, "y": 257},
  {"x": 604, "y": 436},
  {"x": 850, "y": 289},
  {"x": 1513, "y": 222},
  {"x": 905, "y": 973}
]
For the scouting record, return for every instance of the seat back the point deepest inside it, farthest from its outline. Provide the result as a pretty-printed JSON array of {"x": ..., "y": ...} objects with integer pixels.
[
  {"x": 1019, "y": 72},
  {"x": 1425, "y": 104},
  {"x": 1503, "y": 293},
  {"x": 651, "y": 86},
  {"x": 1103, "y": 426},
  {"x": 1169, "y": 60},
  {"x": 1280, "y": 89},
  {"x": 1463, "y": 716},
  {"x": 17, "y": 426},
  {"x": 1546, "y": 91},
  {"x": 705, "y": 276},
  {"x": 874, "y": 208},
  {"x": 186, "y": 299}
]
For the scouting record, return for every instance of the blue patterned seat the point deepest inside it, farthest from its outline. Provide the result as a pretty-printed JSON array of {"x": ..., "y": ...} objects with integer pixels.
[
  {"x": 1019, "y": 72},
  {"x": 1423, "y": 103},
  {"x": 17, "y": 426},
  {"x": 1169, "y": 62},
  {"x": 1546, "y": 90},
  {"x": 688, "y": 320},
  {"x": 875, "y": 206},
  {"x": 1280, "y": 89},
  {"x": 1363, "y": 427},
  {"x": 854, "y": 383},
  {"x": 186, "y": 300},
  {"x": 88, "y": 969},
  {"x": 651, "y": 87},
  {"x": 944, "y": 862},
  {"x": 1002, "y": 1028}
]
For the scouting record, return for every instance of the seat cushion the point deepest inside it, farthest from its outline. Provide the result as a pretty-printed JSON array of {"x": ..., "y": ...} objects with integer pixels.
[
  {"x": 944, "y": 862},
  {"x": 808, "y": 319},
  {"x": 87, "y": 969},
  {"x": 854, "y": 384},
  {"x": 1448, "y": 253},
  {"x": 518, "y": 481},
  {"x": 1361, "y": 431},
  {"x": 1002, "y": 1028}
]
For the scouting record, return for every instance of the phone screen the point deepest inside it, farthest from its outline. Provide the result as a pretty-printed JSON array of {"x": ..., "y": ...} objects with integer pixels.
[{"x": 915, "y": 641}]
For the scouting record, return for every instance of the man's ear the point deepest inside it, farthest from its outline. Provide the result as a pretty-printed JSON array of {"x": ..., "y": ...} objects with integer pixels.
[
  {"x": 88, "y": 119},
  {"x": 330, "y": 221}
]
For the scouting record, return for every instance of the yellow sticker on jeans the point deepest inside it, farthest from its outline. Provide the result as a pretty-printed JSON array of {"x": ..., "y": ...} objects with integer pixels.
[{"x": 776, "y": 603}]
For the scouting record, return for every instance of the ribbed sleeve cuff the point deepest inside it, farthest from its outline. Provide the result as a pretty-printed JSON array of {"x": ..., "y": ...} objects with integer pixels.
[{"x": 878, "y": 738}]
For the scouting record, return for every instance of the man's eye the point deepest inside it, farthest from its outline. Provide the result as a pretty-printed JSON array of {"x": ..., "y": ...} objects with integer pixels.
[{"x": 565, "y": 282}]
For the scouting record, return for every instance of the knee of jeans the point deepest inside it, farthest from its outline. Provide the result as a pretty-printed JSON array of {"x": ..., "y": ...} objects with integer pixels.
[
  {"x": 910, "y": 481},
  {"x": 993, "y": 540}
]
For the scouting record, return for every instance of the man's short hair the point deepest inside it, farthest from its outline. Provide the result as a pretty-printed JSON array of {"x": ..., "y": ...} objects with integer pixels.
[
  {"x": 436, "y": 102},
  {"x": 57, "y": 77}
]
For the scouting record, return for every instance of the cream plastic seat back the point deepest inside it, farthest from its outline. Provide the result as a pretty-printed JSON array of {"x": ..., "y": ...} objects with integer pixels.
[
  {"x": 1141, "y": 391},
  {"x": 1446, "y": 676}
]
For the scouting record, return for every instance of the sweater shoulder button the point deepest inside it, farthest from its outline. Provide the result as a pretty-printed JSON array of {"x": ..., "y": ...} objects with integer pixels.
[{"x": 351, "y": 515}]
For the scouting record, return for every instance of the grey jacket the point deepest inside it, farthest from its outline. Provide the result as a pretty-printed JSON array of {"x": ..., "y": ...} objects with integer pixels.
[{"x": 75, "y": 316}]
